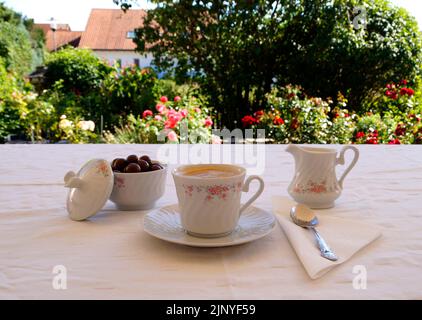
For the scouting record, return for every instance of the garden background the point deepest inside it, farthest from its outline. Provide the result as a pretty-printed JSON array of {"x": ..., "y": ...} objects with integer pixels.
[{"x": 342, "y": 71}]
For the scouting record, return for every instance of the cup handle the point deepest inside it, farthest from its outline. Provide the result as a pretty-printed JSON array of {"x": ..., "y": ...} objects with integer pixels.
[
  {"x": 257, "y": 193},
  {"x": 340, "y": 160}
]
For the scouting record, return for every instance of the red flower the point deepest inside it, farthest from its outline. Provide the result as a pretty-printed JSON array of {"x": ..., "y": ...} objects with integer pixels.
[
  {"x": 170, "y": 124},
  {"x": 291, "y": 95},
  {"x": 147, "y": 113},
  {"x": 394, "y": 141},
  {"x": 177, "y": 99},
  {"x": 248, "y": 121},
  {"x": 336, "y": 115},
  {"x": 259, "y": 113},
  {"x": 278, "y": 121},
  {"x": 404, "y": 82},
  {"x": 407, "y": 91},
  {"x": 295, "y": 124},
  {"x": 372, "y": 140},
  {"x": 400, "y": 130},
  {"x": 410, "y": 92},
  {"x": 360, "y": 135},
  {"x": 164, "y": 99}
]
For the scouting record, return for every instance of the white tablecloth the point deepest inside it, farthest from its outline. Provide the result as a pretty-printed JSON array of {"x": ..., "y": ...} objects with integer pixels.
[{"x": 110, "y": 256}]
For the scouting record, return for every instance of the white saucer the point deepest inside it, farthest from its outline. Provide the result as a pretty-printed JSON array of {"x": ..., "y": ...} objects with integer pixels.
[{"x": 164, "y": 224}]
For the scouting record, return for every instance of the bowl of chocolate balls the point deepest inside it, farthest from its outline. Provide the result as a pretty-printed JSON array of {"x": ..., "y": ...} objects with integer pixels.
[{"x": 138, "y": 182}]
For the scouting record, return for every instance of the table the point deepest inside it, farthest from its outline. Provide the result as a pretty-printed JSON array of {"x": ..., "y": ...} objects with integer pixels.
[{"x": 110, "y": 256}]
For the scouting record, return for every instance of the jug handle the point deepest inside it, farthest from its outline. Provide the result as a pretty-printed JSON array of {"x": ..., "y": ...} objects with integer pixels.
[{"x": 340, "y": 160}]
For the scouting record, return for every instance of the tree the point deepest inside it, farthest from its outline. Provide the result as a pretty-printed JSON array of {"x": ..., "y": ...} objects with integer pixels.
[
  {"x": 327, "y": 50},
  {"x": 21, "y": 45},
  {"x": 239, "y": 49}
]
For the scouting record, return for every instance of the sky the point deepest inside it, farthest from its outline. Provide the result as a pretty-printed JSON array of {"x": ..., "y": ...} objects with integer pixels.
[
  {"x": 73, "y": 12},
  {"x": 76, "y": 12}
]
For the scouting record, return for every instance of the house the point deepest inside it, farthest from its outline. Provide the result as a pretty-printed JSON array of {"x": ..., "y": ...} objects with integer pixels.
[
  {"x": 60, "y": 37},
  {"x": 110, "y": 32}
]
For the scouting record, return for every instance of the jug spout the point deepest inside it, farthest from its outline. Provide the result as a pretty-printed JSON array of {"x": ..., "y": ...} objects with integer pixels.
[{"x": 294, "y": 150}]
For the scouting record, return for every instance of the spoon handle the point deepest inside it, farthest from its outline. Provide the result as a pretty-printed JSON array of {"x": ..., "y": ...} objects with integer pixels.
[{"x": 326, "y": 252}]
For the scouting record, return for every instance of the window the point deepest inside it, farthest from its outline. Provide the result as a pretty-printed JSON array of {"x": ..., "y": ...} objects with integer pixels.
[
  {"x": 131, "y": 34},
  {"x": 136, "y": 62}
]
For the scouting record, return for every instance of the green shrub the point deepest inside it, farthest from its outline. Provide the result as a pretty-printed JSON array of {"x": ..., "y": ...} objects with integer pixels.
[
  {"x": 9, "y": 106},
  {"x": 79, "y": 70},
  {"x": 125, "y": 91}
]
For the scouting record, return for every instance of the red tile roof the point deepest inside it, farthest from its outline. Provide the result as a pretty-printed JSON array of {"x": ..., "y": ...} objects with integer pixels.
[
  {"x": 62, "y": 38},
  {"x": 46, "y": 27},
  {"x": 107, "y": 29}
]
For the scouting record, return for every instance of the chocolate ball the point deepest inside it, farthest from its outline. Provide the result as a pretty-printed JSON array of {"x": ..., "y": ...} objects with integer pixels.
[
  {"x": 147, "y": 159},
  {"x": 132, "y": 168},
  {"x": 119, "y": 164},
  {"x": 144, "y": 165},
  {"x": 156, "y": 167},
  {"x": 133, "y": 158}
]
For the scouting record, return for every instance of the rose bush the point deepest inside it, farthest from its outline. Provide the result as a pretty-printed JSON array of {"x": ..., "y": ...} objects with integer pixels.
[
  {"x": 167, "y": 122},
  {"x": 293, "y": 117}
]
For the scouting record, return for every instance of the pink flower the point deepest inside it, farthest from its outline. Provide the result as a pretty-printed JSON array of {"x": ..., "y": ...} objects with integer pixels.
[
  {"x": 172, "y": 136},
  {"x": 161, "y": 108},
  {"x": 147, "y": 113},
  {"x": 197, "y": 110},
  {"x": 215, "y": 139},
  {"x": 164, "y": 99},
  {"x": 208, "y": 122},
  {"x": 177, "y": 99},
  {"x": 158, "y": 117},
  {"x": 184, "y": 112}
]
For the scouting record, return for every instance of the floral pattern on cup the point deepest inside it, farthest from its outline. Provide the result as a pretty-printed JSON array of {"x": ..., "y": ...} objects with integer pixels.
[
  {"x": 120, "y": 182},
  {"x": 103, "y": 169},
  {"x": 312, "y": 187},
  {"x": 218, "y": 191}
]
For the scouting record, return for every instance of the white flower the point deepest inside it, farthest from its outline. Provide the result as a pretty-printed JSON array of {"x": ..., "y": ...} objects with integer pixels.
[
  {"x": 64, "y": 123},
  {"x": 91, "y": 125},
  {"x": 32, "y": 96},
  {"x": 86, "y": 125},
  {"x": 63, "y": 117}
]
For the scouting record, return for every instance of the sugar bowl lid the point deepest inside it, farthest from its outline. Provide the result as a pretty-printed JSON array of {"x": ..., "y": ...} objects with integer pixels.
[{"x": 89, "y": 189}]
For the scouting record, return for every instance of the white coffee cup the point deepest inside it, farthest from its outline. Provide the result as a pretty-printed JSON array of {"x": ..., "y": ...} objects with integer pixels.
[{"x": 210, "y": 205}]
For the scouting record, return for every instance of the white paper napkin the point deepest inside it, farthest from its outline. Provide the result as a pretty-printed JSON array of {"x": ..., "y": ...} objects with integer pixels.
[{"x": 345, "y": 237}]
